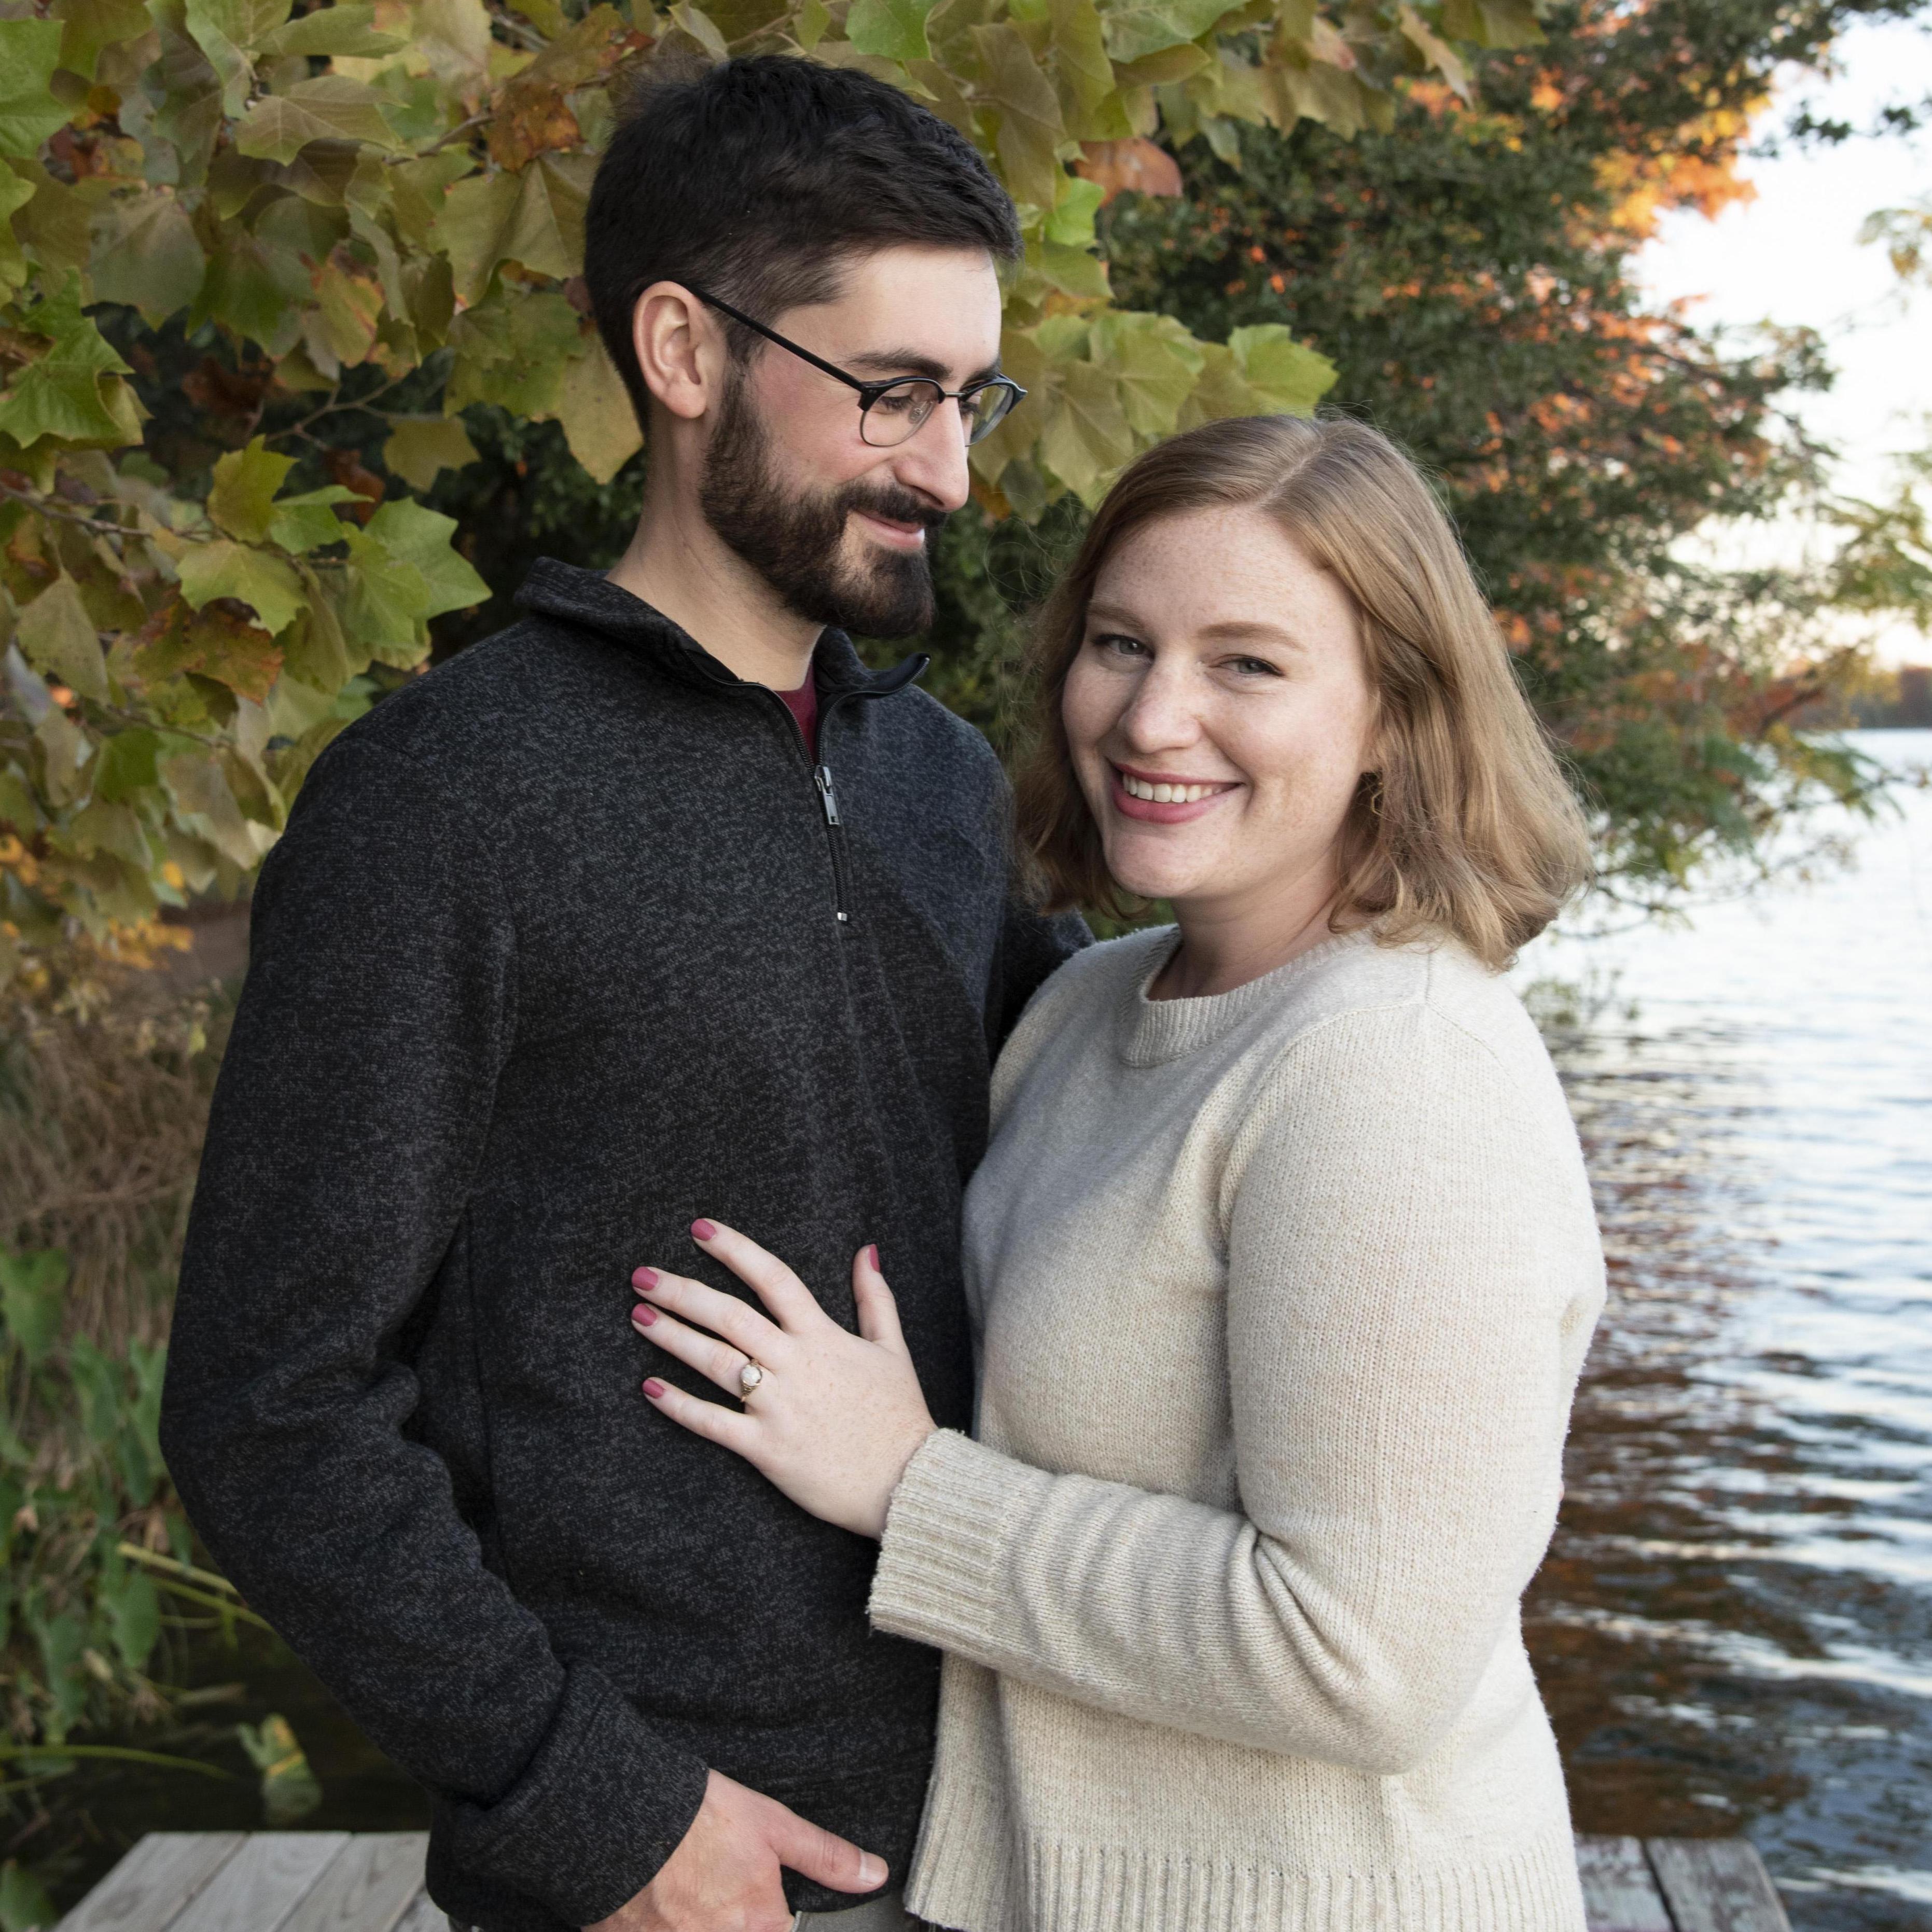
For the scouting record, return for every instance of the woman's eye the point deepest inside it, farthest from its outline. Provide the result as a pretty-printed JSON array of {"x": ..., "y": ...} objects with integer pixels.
[
  {"x": 1119, "y": 644},
  {"x": 1256, "y": 668}
]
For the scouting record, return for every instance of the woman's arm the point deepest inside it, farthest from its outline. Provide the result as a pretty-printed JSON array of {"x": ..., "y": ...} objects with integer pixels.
[{"x": 1399, "y": 1240}]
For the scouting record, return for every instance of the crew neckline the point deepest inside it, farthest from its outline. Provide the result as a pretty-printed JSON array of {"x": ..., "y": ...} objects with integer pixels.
[{"x": 1153, "y": 1031}]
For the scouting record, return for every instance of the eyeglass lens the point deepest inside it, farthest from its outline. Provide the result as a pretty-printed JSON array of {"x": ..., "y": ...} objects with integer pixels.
[{"x": 900, "y": 411}]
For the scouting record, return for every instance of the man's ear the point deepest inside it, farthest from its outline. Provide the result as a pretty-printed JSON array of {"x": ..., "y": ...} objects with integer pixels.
[{"x": 680, "y": 348}]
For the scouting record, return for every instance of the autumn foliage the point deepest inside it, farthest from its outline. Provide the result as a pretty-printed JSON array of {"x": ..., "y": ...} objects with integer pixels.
[{"x": 235, "y": 229}]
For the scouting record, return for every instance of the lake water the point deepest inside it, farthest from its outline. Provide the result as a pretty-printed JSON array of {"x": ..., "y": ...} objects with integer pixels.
[{"x": 1734, "y": 1628}]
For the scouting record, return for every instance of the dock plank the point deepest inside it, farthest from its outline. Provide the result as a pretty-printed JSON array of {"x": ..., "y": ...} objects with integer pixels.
[
  {"x": 148, "y": 1888},
  {"x": 367, "y": 1887},
  {"x": 1716, "y": 1885},
  {"x": 260, "y": 1888},
  {"x": 1620, "y": 1892},
  {"x": 425, "y": 1915}
]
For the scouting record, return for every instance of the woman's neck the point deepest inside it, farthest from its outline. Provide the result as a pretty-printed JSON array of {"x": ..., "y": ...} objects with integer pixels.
[{"x": 1224, "y": 946}]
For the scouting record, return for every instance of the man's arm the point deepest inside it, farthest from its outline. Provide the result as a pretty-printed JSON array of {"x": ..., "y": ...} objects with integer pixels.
[
  {"x": 1033, "y": 944},
  {"x": 347, "y": 1125}
]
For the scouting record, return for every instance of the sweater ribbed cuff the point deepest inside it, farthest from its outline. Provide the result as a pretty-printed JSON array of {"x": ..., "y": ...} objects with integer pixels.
[{"x": 942, "y": 1560}]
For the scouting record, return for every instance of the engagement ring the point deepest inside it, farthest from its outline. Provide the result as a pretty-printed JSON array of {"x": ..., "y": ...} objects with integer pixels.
[{"x": 749, "y": 1377}]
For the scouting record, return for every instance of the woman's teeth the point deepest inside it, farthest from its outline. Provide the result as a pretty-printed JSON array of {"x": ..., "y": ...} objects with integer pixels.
[{"x": 1167, "y": 794}]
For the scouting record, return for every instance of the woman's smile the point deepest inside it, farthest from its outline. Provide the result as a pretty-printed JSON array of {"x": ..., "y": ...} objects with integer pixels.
[{"x": 1165, "y": 798}]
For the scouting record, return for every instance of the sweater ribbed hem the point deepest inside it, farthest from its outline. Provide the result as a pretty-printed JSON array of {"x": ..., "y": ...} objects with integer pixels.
[
  {"x": 967, "y": 1876},
  {"x": 941, "y": 1570}
]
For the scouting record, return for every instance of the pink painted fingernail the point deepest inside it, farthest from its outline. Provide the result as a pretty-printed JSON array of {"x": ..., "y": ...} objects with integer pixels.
[
  {"x": 654, "y": 1388},
  {"x": 644, "y": 1315},
  {"x": 872, "y": 1259},
  {"x": 702, "y": 1231},
  {"x": 644, "y": 1278}
]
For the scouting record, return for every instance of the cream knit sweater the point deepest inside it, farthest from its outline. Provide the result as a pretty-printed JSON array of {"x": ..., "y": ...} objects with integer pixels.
[{"x": 1281, "y": 1297}]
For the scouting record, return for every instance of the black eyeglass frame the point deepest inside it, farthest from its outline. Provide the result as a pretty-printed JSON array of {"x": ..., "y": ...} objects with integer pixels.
[{"x": 869, "y": 393}]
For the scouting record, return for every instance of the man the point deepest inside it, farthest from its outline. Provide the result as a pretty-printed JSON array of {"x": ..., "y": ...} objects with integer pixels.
[{"x": 657, "y": 905}]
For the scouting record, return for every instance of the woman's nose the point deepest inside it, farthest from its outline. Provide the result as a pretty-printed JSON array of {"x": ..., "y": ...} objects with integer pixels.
[{"x": 1160, "y": 715}]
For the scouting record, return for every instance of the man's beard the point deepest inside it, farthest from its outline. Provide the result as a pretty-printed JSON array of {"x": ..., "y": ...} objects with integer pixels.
[{"x": 795, "y": 542}]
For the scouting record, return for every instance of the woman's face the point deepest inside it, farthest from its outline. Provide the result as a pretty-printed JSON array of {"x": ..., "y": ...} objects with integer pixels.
[{"x": 1219, "y": 713}]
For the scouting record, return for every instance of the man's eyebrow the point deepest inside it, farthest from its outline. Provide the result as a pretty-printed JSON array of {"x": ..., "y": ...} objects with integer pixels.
[{"x": 910, "y": 362}]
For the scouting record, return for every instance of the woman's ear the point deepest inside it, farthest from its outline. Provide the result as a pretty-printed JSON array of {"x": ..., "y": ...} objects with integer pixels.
[{"x": 679, "y": 348}]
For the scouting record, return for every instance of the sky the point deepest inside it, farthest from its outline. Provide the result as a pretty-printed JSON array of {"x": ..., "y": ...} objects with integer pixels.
[{"x": 1792, "y": 256}]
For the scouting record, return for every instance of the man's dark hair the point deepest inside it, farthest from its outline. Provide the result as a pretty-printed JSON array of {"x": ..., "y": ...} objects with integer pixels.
[{"x": 761, "y": 179}]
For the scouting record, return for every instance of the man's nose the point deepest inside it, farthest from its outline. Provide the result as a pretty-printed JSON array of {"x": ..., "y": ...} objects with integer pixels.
[{"x": 932, "y": 460}]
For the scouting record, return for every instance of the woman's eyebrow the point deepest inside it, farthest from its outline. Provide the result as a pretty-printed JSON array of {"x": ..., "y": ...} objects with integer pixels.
[{"x": 1235, "y": 630}]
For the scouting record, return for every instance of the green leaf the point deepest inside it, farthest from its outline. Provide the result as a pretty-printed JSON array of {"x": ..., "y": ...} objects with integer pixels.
[
  {"x": 145, "y": 254},
  {"x": 97, "y": 1383},
  {"x": 32, "y": 1287},
  {"x": 534, "y": 217},
  {"x": 59, "y": 639},
  {"x": 24, "y": 1903},
  {"x": 290, "y": 1790},
  {"x": 1071, "y": 224},
  {"x": 1031, "y": 128},
  {"x": 309, "y": 522},
  {"x": 89, "y": 27},
  {"x": 316, "y": 653},
  {"x": 60, "y": 394},
  {"x": 201, "y": 794},
  {"x": 229, "y": 32},
  {"x": 1086, "y": 438},
  {"x": 255, "y": 290},
  {"x": 127, "y": 765},
  {"x": 29, "y": 53},
  {"x": 1156, "y": 362},
  {"x": 1493, "y": 23},
  {"x": 245, "y": 482},
  {"x": 1148, "y": 26},
  {"x": 267, "y": 585},
  {"x": 420, "y": 448},
  {"x": 416, "y": 535},
  {"x": 1286, "y": 377},
  {"x": 889, "y": 29},
  {"x": 133, "y": 1609},
  {"x": 1083, "y": 72},
  {"x": 331, "y": 107},
  {"x": 344, "y": 29}
]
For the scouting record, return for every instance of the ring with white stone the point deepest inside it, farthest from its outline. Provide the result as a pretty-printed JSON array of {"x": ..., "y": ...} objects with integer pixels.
[{"x": 749, "y": 1377}]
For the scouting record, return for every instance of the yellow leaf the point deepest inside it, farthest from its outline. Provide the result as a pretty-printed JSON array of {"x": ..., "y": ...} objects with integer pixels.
[
  {"x": 420, "y": 448},
  {"x": 598, "y": 422},
  {"x": 58, "y": 636},
  {"x": 241, "y": 499},
  {"x": 1031, "y": 126},
  {"x": 1086, "y": 439}
]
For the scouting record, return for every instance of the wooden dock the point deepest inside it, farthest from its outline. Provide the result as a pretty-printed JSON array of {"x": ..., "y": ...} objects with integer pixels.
[{"x": 373, "y": 1882}]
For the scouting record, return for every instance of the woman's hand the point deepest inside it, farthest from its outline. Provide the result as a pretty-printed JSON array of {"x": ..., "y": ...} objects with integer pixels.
[{"x": 836, "y": 1418}]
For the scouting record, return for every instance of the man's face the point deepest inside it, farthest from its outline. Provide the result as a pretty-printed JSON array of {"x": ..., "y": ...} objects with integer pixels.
[{"x": 838, "y": 528}]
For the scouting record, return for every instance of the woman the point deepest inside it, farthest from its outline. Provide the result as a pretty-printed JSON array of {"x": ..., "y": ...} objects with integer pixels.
[{"x": 1281, "y": 1257}]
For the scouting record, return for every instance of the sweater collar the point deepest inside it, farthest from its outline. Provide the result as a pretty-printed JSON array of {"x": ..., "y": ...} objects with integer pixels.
[
  {"x": 1154, "y": 1031},
  {"x": 590, "y": 600}
]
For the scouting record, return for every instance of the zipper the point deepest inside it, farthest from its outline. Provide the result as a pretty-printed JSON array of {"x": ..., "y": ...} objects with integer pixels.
[
  {"x": 835, "y": 836},
  {"x": 889, "y": 686}
]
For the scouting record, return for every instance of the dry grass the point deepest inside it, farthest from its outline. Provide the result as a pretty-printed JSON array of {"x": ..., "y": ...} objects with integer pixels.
[{"x": 102, "y": 1112}]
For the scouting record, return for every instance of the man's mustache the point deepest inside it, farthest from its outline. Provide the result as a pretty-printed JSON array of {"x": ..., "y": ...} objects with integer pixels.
[{"x": 896, "y": 506}]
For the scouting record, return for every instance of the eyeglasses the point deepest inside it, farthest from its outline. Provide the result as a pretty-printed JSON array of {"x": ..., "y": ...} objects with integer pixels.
[{"x": 892, "y": 412}]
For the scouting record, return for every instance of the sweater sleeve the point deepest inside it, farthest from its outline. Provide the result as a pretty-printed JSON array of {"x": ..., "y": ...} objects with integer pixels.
[
  {"x": 354, "y": 1101},
  {"x": 1395, "y": 1321}
]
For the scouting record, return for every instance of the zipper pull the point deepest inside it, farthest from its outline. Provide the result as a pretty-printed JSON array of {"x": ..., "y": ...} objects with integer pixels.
[{"x": 827, "y": 796}]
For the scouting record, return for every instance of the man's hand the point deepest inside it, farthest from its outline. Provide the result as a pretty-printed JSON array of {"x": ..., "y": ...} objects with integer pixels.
[{"x": 725, "y": 1875}]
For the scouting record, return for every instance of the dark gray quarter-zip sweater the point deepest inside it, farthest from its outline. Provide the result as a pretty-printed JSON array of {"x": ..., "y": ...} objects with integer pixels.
[{"x": 565, "y": 944}]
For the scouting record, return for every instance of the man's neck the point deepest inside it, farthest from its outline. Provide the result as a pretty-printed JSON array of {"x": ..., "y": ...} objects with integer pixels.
[{"x": 676, "y": 564}]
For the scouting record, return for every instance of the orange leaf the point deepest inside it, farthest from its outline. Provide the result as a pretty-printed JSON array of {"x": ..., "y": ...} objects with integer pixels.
[{"x": 1129, "y": 167}]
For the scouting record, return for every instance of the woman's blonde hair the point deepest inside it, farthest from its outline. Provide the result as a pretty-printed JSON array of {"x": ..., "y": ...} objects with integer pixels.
[{"x": 1464, "y": 825}]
